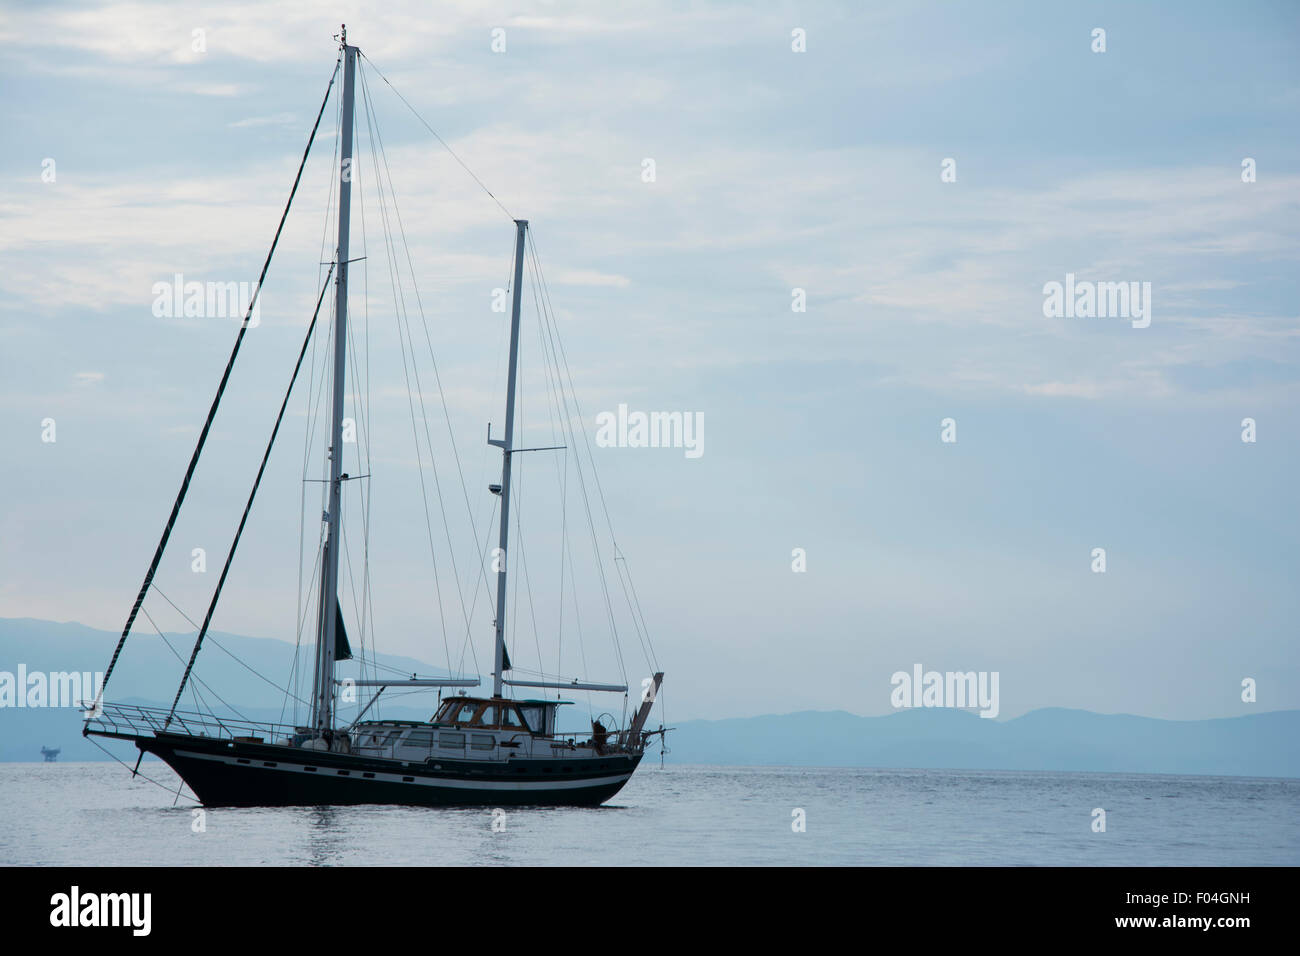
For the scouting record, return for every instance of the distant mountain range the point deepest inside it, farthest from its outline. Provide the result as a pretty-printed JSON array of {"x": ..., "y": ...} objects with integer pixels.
[
  {"x": 1264, "y": 745},
  {"x": 148, "y": 674},
  {"x": 1054, "y": 738}
]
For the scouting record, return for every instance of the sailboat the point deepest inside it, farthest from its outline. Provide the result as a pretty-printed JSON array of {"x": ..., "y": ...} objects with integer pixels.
[{"x": 501, "y": 749}]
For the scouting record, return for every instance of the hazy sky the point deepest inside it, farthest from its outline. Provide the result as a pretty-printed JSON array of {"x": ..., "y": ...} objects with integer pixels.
[{"x": 774, "y": 170}]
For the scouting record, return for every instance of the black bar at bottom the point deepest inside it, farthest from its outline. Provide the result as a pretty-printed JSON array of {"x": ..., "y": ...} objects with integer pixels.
[{"x": 975, "y": 905}]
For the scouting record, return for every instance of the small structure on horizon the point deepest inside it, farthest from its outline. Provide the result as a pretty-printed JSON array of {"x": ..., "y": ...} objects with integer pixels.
[{"x": 50, "y": 754}]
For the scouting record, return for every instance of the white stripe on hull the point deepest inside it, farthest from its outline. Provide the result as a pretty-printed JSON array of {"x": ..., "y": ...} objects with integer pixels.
[{"x": 450, "y": 783}]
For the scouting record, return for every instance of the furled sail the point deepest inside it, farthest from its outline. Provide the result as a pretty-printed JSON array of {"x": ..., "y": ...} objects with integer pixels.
[{"x": 342, "y": 649}]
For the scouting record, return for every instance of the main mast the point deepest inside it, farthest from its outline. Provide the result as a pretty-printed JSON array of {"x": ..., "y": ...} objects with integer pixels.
[
  {"x": 506, "y": 445},
  {"x": 326, "y": 636}
]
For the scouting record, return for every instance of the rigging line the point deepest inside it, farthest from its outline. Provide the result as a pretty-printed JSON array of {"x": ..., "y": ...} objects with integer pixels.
[
  {"x": 500, "y": 350},
  {"x": 402, "y": 671},
  {"x": 302, "y": 617},
  {"x": 631, "y": 583},
  {"x": 408, "y": 340},
  {"x": 312, "y": 414},
  {"x": 604, "y": 584},
  {"x": 359, "y": 605},
  {"x": 352, "y": 586},
  {"x": 625, "y": 575},
  {"x": 311, "y": 382},
  {"x": 519, "y": 515},
  {"x": 367, "y": 596},
  {"x": 424, "y": 322},
  {"x": 564, "y": 526},
  {"x": 137, "y": 773},
  {"x": 200, "y": 703},
  {"x": 334, "y": 504},
  {"x": 216, "y": 401},
  {"x": 556, "y": 347},
  {"x": 577, "y": 614},
  {"x": 557, "y": 389},
  {"x": 647, "y": 646},
  {"x": 302, "y": 539},
  {"x": 562, "y": 477},
  {"x": 624, "y": 579},
  {"x": 174, "y": 607},
  {"x": 517, "y": 491},
  {"x": 460, "y": 471},
  {"x": 365, "y": 606},
  {"x": 314, "y": 396},
  {"x": 366, "y": 612},
  {"x": 380, "y": 74},
  {"x": 316, "y": 417},
  {"x": 330, "y": 193},
  {"x": 566, "y": 549},
  {"x": 572, "y": 438},
  {"x": 315, "y": 412},
  {"x": 399, "y": 307},
  {"x": 230, "y": 556},
  {"x": 519, "y": 535},
  {"x": 473, "y": 604},
  {"x": 308, "y": 431},
  {"x": 512, "y": 600},
  {"x": 553, "y": 413},
  {"x": 582, "y": 645},
  {"x": 222, "y": 647},
  {"x": 361, "y": 423},
  {"x": 564, "y": 531},
  {"x": 399, "y": 310},
  {"x": 362, "y": 440},
  {"x": 197, "y": 698},
  {"x": 491, "y": 502},
  {"x": 487, "y": 534},
  {"x": 523, "y": 561},
  {"x": 313, "y": 418}
]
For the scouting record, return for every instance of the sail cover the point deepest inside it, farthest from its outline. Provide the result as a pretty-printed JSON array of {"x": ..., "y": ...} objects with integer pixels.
[{"x": 342, "y": 649}]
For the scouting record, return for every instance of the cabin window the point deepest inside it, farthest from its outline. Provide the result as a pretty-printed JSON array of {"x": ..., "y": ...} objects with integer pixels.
[
  {"x": 488, "y": 718},
  {"x": 447, "y": 711},
  {"x": 451, "y": 741},
  {"x": 534, "y": 715},
  {"x": 419, "y": 738},
  {"x": 509, "y": 718},
  {"x": 465, "y": 713},
  {"x": 482, "y": 741}
]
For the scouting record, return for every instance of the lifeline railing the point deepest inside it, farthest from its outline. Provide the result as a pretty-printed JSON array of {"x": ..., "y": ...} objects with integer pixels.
[
  {"x": 134, "y": 720},
  {"x": 130, "y": 719}
]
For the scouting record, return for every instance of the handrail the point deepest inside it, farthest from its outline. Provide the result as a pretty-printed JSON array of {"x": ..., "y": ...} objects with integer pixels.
[
  {"x": 135, "y": 719},
  {"x": 118, "y": 718}
]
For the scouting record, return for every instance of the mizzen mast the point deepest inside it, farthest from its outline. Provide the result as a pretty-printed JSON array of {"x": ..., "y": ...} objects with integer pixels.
[{"x": 505, "y": 444}]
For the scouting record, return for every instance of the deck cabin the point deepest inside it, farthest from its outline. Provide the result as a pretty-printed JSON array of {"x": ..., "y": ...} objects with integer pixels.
[
  {"x": 537, "y": 717},
  {"x": 483, "y": 728}
]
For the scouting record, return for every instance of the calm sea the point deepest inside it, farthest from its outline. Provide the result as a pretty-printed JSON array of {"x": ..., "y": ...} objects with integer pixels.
[{"x": 94, "y": 813}]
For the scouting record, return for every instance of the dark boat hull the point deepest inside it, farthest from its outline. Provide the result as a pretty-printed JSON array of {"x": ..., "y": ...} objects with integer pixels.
[{"x": 223, "y": 773}]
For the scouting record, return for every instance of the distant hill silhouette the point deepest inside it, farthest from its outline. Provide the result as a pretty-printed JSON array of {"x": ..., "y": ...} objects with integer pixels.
[
  {"x": 1054, "y": 738},
  {"x": 148, "y": 674},
  {"x": 1264, "y": 744}
]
